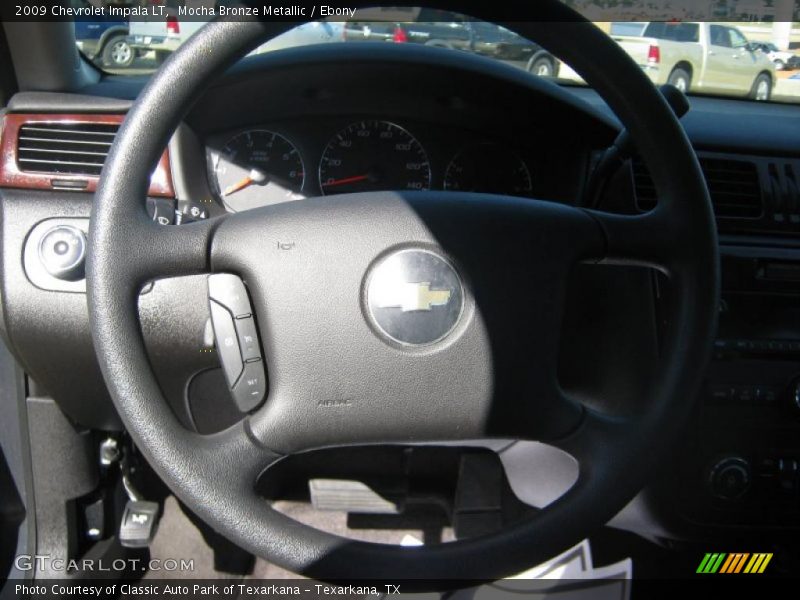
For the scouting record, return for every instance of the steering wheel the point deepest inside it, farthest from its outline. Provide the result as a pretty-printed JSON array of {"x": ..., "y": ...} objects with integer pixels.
[{"x": 339, "y": 375}]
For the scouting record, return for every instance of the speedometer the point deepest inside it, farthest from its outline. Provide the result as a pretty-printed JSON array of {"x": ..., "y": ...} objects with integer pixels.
[
  {"x": 257, "y": 167},
  {"x": 371, "y": 156}
]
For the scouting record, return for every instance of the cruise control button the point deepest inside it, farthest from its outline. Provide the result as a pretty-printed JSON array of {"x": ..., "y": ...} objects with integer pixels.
[
  {"x": 227, "y": 344},
  {"x": 252, "y": 386},
  {"x": 248, "y": 338},
  {"x": 229, "y": 291}
]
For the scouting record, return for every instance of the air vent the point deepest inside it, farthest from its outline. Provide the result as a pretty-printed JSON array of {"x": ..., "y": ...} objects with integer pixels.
[
  {"x": 64, "y": 148},
  {"x": 733, "y": 184}
]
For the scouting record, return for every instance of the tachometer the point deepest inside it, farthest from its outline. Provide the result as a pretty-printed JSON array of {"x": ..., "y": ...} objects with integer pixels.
[
  {"x": 371, "y": 156},
  {"x": 489, "y": 168},
  {"x": 257, "y": 167}
]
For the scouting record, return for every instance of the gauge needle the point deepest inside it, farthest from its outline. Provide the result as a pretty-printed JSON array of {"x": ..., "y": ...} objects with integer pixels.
[
  {"x": 345, "y": 180},
  {"x": 255, "y": 176}
]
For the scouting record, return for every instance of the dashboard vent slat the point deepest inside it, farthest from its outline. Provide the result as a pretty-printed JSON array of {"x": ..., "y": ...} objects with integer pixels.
[
  {"x": 64, "y": 148},
  {"x": 58, "y": 150},
  {"x": 71, "y": 130},
  {"x": 733, "y": 184},
  {"x": 38, "y": 140}
]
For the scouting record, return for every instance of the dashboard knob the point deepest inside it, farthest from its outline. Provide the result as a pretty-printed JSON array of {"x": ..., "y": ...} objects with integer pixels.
[
  {"x": 730, "y": 478},
  {"x": 62, "y": 252}
]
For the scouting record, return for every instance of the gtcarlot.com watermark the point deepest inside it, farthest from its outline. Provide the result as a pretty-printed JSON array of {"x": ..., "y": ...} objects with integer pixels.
[{"x": 45, "y": 562}]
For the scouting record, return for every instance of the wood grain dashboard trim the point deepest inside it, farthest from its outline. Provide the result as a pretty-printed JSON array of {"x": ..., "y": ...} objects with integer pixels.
[{"x": 11, "y": 176}]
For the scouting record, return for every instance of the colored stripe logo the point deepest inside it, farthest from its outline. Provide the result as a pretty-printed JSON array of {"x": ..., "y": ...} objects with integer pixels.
[{"x": 736, "y": 562}]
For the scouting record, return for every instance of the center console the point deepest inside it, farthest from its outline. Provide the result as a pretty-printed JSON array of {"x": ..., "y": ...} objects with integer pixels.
[{"x": 740, "y": 464}]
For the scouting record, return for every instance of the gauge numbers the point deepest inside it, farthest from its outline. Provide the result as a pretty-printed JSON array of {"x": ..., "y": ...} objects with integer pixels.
[
  {"x": 256, "y": 168},
  {"x": 372, "y": 156}
]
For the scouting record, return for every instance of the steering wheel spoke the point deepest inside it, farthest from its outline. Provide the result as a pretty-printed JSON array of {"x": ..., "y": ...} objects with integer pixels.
[
  {"x": 645, "y": 240},
  {"x": 155, "y": 251},
  {"x": 182, "y": 250},
  {"x": 172, "y": 251},
  {"x": 239, "y": 458},
  {"x": 594, "y": 437}
]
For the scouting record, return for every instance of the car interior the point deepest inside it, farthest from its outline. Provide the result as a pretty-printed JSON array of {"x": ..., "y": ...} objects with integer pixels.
[{"x": 392, "y": 311}]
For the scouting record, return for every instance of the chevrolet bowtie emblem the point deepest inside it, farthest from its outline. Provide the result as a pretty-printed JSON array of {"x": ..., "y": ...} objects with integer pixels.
[{"x": 412, "y": 296}]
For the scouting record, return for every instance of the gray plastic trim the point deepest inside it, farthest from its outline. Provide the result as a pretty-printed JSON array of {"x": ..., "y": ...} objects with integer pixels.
[
  {"x": 60, "y": 102},
  {"x": 15, "y": 444}
]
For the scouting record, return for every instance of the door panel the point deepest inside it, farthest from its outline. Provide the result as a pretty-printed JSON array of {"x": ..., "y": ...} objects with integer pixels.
[
  {"x": 747, "y": 67},
  {"x": 720, "y": 62}
]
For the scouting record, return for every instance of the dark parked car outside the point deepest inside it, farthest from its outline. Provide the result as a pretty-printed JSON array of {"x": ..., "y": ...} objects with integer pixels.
[
  {"x": 443, "y": 30},
  {"x": 103, "y": 39}
]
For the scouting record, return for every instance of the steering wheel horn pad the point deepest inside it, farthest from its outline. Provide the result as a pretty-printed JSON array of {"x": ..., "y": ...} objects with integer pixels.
[
  {"x": 336, "y": 379},
  {"x": 337, "y": 382}
]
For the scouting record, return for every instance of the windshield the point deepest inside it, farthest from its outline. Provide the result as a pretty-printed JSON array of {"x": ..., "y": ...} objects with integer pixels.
[{"x": 748, "y": 54}]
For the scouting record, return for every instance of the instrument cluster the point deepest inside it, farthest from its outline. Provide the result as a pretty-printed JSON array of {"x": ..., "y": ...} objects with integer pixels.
[{"x": 259, "y": 166}]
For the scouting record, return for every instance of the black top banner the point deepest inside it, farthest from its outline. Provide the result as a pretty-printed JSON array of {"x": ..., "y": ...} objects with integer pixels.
[{"x": 395, "y": 11}]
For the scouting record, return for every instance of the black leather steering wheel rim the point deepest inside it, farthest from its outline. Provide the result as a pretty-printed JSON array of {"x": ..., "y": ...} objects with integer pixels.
[{"x": 214, "y": 475}]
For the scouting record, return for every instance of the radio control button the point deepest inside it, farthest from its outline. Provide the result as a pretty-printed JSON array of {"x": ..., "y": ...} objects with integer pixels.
[
  {"x": 730, "y": 478},
  {"x": 794, "y": 393},
  {"x": 767, "y": 467},
  {"x": 765, "y": 395},
  {"x": 788, "y": 472},
  {"x": 721, "y": 394}
]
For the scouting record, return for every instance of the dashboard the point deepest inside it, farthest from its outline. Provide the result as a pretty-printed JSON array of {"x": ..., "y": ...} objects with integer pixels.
[
  {"x": 311, "y": 130},
  {"x": 275, "y": 128},
  {"x": 294, "y": 159}
]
